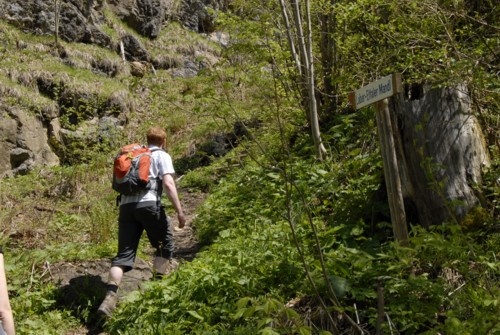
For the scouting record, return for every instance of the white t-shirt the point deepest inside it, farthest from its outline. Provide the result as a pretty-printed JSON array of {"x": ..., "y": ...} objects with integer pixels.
[{"x": 161, "y": 164}]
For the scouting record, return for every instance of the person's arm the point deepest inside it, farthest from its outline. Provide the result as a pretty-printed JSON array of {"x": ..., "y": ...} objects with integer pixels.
[
  {"x": 5, "y": 309},
  {"x": 171, "y": 191}
]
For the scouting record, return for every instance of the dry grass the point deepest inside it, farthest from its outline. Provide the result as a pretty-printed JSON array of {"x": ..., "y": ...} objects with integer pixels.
[
  {"x": 33, "y": 47},
  {"x": 176, "y": 43},
  {"x": 25, "y": 96},
  {"x": 123, "y": 101}
]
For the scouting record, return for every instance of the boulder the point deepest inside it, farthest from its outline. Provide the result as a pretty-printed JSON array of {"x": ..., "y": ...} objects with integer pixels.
[
  {"x": 134, "y": 50},
  {"x": 138, "y": 69}
]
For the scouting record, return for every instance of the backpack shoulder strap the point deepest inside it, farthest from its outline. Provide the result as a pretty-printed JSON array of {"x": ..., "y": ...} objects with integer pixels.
[
  {"x": 159, "y": 187},
  {"x": 157, "y": 149}
]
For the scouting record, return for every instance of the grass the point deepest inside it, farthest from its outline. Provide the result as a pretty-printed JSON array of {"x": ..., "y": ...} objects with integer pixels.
[
  {"x": 176, "y": 41},
  {"x": 59, "y": 202},
  {"x": 50, "y": 216},
  {"x": 38, "y": 58},
  {"x": 16, "y": 94}
]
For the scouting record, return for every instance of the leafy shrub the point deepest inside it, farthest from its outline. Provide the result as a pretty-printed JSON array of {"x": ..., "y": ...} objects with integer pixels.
[
  {"x": 202, "y": 179},
  {"x": 202, "y": 295},
  {"x": 433, "y": 283}
]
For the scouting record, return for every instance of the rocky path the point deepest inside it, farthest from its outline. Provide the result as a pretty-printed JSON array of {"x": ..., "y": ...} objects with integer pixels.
[{"x": 85, "y": 281}]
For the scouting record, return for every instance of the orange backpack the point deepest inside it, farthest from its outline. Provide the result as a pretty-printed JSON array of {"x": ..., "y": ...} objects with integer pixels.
[{"x": 131, "y": 169}]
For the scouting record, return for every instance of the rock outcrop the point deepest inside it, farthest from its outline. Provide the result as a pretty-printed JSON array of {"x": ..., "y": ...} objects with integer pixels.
[
  {"x": 25, "y": 142},
  {"x": 76, "y": 18},
  {"x": 80, "y": 20},
  {"x": 144, "y": 16}
]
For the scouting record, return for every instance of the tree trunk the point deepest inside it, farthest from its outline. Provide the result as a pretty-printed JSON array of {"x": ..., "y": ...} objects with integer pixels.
[
  {"x": 329, "y": 61},
  {"x": 442, "y": 152},
  {"x": 291, "y": 43},
  {"x": 311, "y": 86},
  {"x": 305, "y": 50}
]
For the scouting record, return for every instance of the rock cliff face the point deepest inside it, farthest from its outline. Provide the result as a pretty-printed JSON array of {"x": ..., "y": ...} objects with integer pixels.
[
  {"x": 24, "y": 138},
  {"x": 78, "y": 19},
  {"x": 35, "y": 138}
]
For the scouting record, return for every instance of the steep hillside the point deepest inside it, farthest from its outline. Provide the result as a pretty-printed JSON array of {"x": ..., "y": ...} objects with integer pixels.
[
  {"x": 68, "y": 99},
  {"x": 79, "y": 86}
]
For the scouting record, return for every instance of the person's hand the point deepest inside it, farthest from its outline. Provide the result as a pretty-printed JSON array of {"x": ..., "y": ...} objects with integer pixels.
[{"x": 182, "y": 220}]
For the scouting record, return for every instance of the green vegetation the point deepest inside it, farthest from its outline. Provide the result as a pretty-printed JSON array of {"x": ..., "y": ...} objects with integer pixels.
[
  {"x": 245, "y": 280},
  {"x": 290, "y": 243}
]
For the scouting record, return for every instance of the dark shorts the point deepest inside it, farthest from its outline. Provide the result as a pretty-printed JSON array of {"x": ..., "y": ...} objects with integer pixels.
[{"x": 133, "y": 219}]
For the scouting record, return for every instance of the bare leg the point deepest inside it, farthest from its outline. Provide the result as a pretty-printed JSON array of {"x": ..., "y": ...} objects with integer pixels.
[
  {"x": 115, "y": 275},
  {"x": 5, "y": 309}
]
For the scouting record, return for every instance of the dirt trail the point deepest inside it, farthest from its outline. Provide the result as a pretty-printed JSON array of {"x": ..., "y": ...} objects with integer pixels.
[{"x": 85, "y": 281}]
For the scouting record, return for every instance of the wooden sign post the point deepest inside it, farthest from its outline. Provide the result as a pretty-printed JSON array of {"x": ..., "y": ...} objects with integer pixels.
[{"x": 378, "y": 93}]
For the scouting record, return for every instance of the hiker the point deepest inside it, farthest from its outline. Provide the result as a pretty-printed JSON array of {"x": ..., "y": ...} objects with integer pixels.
[
  {"x": 6, "y": 317},
  {"x": 143, "y": 211}
]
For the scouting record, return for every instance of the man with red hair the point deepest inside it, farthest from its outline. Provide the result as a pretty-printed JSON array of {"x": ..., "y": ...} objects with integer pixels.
[{"x": 143, "y": 211}]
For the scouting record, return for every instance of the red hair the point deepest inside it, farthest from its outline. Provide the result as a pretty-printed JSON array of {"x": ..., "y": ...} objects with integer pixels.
[{"x": 156, "y": 136}]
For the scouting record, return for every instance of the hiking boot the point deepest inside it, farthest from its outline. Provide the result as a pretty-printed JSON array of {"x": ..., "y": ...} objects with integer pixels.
[
  {"x": 108, "y": 305},
  {"x": 173, "y": 264},
  {"x": 162, "y": 266}
]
